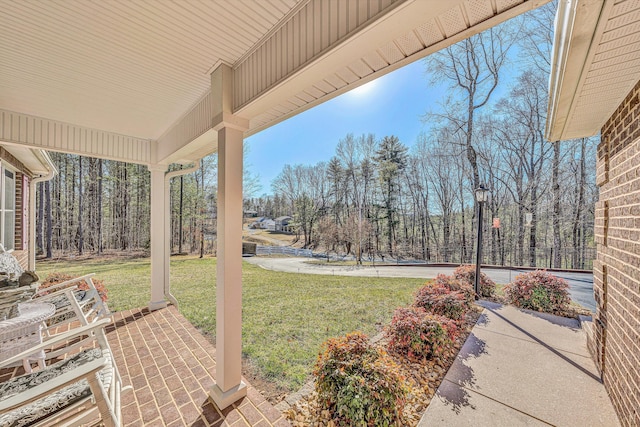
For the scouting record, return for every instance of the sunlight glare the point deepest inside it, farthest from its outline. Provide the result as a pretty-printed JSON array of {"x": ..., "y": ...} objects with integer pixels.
[{"x": 365, "y": 89}]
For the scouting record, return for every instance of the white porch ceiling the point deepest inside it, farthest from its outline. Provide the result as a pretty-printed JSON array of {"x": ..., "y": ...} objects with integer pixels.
[
  {"x": 596, "y": 63},
  {"x": 130, "y": 79},
  {"x": 128, "y": 67}
]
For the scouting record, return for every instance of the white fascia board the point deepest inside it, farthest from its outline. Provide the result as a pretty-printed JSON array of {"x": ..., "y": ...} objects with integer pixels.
[
  {"x": 396, "y": 23},
  {"x": 577, "y": 29},
  {"x": 391, "y": 25}
]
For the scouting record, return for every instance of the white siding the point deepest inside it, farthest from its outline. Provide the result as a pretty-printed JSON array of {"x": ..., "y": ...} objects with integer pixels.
[{"x": 52, "y": 135}]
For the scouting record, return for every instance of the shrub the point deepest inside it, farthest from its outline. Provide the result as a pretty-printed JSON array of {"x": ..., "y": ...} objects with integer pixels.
[
  {"x": 55, "y": 278},
  {"x": 454, "y": 284},
  {"x": 416, "y": 334},
  {"x": 467, "y": 274},
  {"x": 359, "y": 384},
  {"x": 539, "y": 290},
  {"x": 439, "y": 299}
]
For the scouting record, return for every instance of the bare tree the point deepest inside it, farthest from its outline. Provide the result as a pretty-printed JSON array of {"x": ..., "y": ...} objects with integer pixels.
[{"x": 472, "y": 67}]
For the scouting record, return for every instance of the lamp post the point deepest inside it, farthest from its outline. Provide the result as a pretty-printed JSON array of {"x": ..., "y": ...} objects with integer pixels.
[{"x": 482, "y": 194}]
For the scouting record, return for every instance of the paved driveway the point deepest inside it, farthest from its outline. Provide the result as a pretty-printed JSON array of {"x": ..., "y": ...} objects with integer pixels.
[{"x": 580, "y": 284}]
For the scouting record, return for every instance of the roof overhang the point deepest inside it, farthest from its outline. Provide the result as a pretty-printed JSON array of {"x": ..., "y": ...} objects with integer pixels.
[
  {"x": 36, "y": 161},
  {"x": 595, "y": 63}
]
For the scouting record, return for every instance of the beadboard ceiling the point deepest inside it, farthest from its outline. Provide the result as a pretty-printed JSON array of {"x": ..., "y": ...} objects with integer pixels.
[{"x": 130, "y": 67}]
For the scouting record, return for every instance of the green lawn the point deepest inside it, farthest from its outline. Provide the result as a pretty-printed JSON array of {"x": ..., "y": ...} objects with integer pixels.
[{"x": 285, "y": 316}]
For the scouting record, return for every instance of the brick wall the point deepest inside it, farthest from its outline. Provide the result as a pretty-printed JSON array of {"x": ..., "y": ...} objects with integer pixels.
[
  {"x": 615, "y": 338},
  {"x": 21, "y": 225}
]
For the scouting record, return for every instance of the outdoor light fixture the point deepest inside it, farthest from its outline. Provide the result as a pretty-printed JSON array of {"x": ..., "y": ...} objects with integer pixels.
[{"x": 482, "y": 194}]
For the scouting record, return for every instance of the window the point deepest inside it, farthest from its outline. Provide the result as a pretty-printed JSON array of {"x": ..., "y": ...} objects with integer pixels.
[{"x": 8, "y": 209}]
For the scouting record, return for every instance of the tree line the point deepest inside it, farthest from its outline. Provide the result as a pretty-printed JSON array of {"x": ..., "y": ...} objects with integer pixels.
[
  {"x": 94, "y": 205},
  {"x": 377, "y": 198}
]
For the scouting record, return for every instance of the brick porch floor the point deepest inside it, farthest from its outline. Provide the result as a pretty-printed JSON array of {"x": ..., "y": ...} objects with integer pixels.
[{"x": 171, "y": 367}]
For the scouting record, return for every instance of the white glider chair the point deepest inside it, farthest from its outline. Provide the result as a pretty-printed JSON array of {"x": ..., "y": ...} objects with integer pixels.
[
  {"x": 18, "y": 326},
  {"x": 82, "y": 388},
  {"x": 72, "y": 303}
]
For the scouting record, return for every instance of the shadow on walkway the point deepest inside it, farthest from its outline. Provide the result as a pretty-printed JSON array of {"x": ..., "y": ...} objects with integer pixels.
[{"x": 522, "y": 368}]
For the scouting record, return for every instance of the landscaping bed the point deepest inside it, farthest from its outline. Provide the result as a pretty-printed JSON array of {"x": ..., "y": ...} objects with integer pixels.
[
  {"x": 422, "y": 378},
  {"x": 391, "y": 379}
]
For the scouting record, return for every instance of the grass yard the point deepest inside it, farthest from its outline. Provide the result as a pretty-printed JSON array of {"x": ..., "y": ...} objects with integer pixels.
[{"x": 285, "y": 316}]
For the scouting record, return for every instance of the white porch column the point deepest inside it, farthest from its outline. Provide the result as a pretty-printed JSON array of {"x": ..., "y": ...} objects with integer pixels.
[
  {"x": 157, "y": 234},
  {"x": 228, "y": 387}
]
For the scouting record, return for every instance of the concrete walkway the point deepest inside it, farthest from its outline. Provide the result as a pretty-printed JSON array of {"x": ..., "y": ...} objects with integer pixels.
[{"x": 520, "y": 368}]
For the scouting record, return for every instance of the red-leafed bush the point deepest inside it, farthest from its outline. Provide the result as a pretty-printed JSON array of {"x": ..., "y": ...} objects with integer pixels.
[
  {"x": 456, "y": 285},
  {"x": 55, "y": 278},
  {"x": 418, "y": 335},
  {"x": 539, "y": 290},
  {"x": 439, "y": 299},
  {"x": 359, "y": 384},
  {"x": 467, "y": 274}
]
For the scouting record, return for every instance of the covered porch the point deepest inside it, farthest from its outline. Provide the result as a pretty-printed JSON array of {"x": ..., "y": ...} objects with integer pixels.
[{"x": 170, "y": 84}]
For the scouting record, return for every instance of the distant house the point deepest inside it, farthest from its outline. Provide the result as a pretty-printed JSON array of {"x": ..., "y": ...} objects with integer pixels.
[
  {"x": 282, "y": 223},
  {"x": 250, "y": 213},
  {"x": 258, "y": 222},
  {"x": 268, "y": 224}
]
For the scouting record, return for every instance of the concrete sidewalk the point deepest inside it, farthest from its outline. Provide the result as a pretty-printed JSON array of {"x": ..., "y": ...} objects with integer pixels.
[{"x": 522, "y": 368}]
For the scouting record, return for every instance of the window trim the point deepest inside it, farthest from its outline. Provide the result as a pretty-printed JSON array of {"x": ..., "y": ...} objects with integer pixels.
[{"x": 4, "y": 166}]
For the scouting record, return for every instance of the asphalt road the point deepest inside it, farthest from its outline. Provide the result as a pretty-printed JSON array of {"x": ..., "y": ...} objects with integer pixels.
[{"x": 580, "y": 284}]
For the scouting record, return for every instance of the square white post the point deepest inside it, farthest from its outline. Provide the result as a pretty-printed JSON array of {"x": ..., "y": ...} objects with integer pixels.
[
  {"x": 157, "y": 234},
  {"x": 229, "y": 387}
]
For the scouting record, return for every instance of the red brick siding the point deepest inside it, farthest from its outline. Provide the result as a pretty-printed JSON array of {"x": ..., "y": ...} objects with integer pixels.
[
  {"x": 615, "y": 339},
  {"x": 22, "y": 228}
]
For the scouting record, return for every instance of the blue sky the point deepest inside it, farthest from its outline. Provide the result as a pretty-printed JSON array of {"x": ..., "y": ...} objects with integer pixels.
[{"x": 391, "y": 105}]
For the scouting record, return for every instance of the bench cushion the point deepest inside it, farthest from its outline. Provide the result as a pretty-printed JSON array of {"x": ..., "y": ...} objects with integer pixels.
[{"x": 50, "y": 403}]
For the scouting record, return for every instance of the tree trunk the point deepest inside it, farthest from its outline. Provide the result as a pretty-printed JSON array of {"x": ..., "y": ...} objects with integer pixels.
[
  {"x": 180, "y": 212},
  {"x": 557, "y": 260},
  {"x": 576, "y": 229},
  {"x": 40, "y": 221},
  {"x": 532, "y": 233},
  {"x": 520, "y": 238},
  {"x": 99, "y": 209},
  {"x": 80, "y": 196},
  {"x": 389, "y": 219},
  {"x": 49, "y": 224},
  {"x": 471, "y": 152},
  {"x": 466, "y": 255},
  {"x": 201, "y": 243}
]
